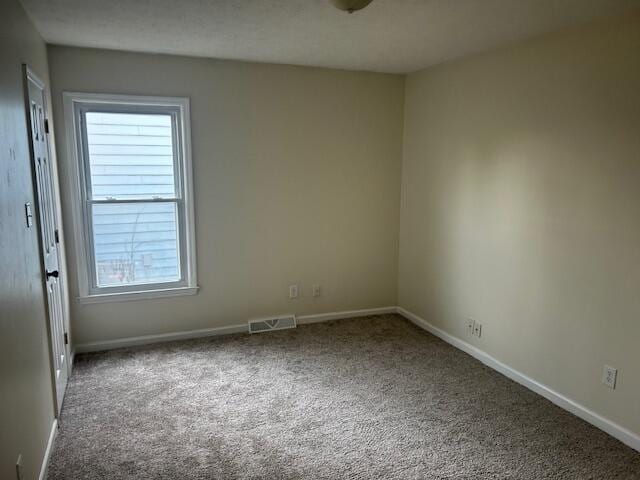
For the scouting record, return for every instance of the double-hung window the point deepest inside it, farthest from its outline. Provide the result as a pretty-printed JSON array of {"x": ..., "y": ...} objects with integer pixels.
[{"x": 134, "y": 201}]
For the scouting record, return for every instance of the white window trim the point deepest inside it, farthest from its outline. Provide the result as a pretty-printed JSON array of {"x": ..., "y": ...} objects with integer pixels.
[{"x": 86, "y": 295}]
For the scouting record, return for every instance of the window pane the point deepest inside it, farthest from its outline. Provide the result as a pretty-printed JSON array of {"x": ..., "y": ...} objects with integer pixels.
[
  {"x": 130, "y": 155},
  {"x": 135, "y": 243}
]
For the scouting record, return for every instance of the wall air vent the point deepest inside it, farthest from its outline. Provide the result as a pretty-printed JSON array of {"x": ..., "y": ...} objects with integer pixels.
[{"x": 269, "y": 324}]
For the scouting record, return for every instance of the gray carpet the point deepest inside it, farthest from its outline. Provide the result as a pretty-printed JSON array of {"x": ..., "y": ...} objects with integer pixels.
[{"x": 369, "y": 398}]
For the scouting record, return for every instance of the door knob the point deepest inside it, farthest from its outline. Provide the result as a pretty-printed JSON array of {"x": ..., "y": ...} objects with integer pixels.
[{"x": 54, "y": 274}]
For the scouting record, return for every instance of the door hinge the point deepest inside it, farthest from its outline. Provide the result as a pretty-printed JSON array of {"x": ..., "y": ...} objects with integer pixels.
[
  {"x": 57, "y": 236},
  {"x": 46, "y": 125},
  {"x": 66, "y": 339}
]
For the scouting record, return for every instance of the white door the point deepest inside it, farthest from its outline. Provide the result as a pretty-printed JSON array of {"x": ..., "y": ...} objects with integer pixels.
[{"x": 49, "y": 233}]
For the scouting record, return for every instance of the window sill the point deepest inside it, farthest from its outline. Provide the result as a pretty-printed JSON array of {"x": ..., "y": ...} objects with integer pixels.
[{"x": 142, "y": 295}]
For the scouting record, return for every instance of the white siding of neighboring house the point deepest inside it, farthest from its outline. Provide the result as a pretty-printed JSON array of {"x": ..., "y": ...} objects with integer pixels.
[{"x": 131, "y": 157}]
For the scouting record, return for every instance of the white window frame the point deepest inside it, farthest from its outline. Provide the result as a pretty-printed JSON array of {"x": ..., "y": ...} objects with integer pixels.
[{"x": 75, "y": 105}]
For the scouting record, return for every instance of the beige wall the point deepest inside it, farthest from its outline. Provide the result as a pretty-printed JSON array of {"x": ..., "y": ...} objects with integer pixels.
[
  {"x": 297, "y": 180},
  {"x": 521, "y": 208},
  {"x": 26, "y": 395}
]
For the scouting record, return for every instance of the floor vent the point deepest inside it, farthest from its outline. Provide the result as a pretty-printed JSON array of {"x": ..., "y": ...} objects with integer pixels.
[{"x": 268, "y": 324}]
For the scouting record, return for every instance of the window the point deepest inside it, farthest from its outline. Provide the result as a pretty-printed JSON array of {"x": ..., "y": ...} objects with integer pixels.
[{"x": 131, "y": 160}]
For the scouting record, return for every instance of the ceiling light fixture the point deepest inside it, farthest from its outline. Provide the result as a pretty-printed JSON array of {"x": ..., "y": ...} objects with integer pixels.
[{"x": 350, "y": 5}]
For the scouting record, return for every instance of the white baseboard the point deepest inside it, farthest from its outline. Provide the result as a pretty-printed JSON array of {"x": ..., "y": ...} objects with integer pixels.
[
  {"x": 211, "y": 332},
  {"x": 49, "y": 449},
  {"x": 617, "y": 431},
  {"x": 325, "y": 317},
  {"x": 163, "y": 337}
]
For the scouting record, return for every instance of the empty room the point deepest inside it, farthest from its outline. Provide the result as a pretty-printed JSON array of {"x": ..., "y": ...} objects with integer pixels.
[{"x": 320, "y": 239}]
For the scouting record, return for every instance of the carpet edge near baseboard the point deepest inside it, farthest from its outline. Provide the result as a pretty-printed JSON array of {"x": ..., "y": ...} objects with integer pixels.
[
  {"x": 617, "y": 431},
  {"x": 102, "y": 345}
]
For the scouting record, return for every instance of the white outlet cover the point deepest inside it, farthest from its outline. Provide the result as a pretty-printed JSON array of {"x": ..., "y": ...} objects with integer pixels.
[
  {"x": 316, "y": 290},
  {"x": 477, "y": 329},
  {"x": 293, "y": 291},
  {"x": 609, "y": 376},
  {"x": 470, "y": 325}
]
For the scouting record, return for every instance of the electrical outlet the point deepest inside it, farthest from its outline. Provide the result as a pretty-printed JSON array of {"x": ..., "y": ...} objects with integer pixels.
[
  {"x": 477, "y": 329},
  {"x": 19, "y": 472},
  {"x": 316, "y": 290},
  {"x": 609, "y": 376},
  {"x": 293, "y": 291},
  {"x": 470, "y": 325}
]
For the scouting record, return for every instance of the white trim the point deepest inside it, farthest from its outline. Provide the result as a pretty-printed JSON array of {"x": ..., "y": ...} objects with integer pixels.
[
  {"x": 73, "y": 164},
  {"x": 49, "y": 449},
  {"x": 72, "y": 359},
  {"x": 325, "y": 317},
  {"x": 215, "y": 331},
  {"x": 163, "y": 337},
  {"x": 617, "y": 431},
  {"x": 188, "y": 194},
  {"x": 87, "y": 293},
  {"x": 141, "y": 295}
]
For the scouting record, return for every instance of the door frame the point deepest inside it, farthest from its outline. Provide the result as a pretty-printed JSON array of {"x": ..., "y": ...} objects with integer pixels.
[{"x": 29, "y": 75}]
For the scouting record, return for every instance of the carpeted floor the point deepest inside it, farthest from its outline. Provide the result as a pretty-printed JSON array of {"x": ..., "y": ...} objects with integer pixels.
[{"x": 369, "y": 398}]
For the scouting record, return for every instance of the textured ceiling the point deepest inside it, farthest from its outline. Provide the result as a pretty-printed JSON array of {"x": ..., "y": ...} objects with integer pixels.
[{"x": 388, "y": 36}]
